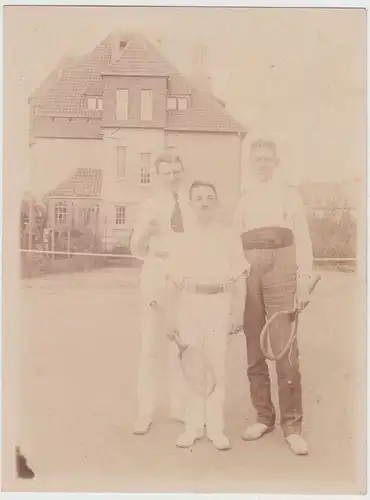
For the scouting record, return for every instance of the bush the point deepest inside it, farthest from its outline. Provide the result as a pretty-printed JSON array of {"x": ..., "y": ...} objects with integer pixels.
[{"x": 333, "y": 234}]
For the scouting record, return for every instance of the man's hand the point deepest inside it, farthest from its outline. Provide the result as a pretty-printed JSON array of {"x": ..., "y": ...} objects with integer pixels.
[{"x": 235, "y": 328}]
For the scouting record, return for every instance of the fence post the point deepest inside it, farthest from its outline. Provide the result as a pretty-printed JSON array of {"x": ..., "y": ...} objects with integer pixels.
[
  {"x": 105, "y": 233},
  {"x": 30, "y": 208},
  {"x": 96, "y": 228},
  {"x": 69, "y": 224},
  {"x": 52, "y": 235}
]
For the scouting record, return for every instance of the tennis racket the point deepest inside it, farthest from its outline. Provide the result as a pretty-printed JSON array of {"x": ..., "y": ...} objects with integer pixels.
[
  {"x": 196, "y": 370},
  {"x": 293, "y": 315}
]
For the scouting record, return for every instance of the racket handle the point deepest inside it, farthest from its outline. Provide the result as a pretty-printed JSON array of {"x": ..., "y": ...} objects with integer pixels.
[{"x": 313, "y": 283}]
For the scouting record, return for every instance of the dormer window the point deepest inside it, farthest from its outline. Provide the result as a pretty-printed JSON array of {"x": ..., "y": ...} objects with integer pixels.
[
  {"x": 94, "y": 103},
  {"x": 177, "y": 103}
]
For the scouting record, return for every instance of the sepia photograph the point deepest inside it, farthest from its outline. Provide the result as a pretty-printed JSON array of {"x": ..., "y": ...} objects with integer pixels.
[{"x": 184, "y": 250}]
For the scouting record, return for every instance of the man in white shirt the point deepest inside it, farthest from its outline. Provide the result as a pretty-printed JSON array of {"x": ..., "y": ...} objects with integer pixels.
[
  {"x": 204, "y": 266},
  {"x": 276, "y": 241},
  {"x": 162, "y": 217}
]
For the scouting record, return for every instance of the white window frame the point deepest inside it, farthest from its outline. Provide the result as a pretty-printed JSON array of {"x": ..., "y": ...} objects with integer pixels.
[
  {"x": 175, "y": 100},
  {"x": 121, "y": 162},
  {"x": 94, "y": 103},
  {"x": 61, "y": 213},
  {"x": 120, "y": 216},
  {"x": 145, "y": 170},
  {"x": 122, "y": 104},
  {"x": 146, "y": 108}
]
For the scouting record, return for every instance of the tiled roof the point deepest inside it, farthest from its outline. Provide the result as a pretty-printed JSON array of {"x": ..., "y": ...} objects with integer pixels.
[
  {"x": 204, "y": 114},
  {"x": 138, "y": 58},
  {"x": 52, "y": 79},
  {"x": 85, "y": 182}
]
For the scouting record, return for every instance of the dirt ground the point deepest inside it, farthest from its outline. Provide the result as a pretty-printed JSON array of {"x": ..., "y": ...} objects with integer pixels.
[{"x": 81, "y": 342}]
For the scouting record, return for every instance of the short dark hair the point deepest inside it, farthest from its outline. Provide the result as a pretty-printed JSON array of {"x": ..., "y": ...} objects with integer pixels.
[
  {"x": 264, "y": 143},
  {"x": 170, "y": 158},
  {"x": 197, "y": 184}
]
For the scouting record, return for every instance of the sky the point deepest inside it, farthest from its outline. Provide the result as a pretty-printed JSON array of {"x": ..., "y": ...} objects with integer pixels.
[{"x": 295, "y": 75}]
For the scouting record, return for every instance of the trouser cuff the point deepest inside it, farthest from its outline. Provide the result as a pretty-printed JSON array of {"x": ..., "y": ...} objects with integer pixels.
[{"x": 287, "y": 431}]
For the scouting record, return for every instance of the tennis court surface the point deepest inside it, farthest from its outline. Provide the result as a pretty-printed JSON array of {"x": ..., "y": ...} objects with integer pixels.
[{"x": 80, "y": 335}]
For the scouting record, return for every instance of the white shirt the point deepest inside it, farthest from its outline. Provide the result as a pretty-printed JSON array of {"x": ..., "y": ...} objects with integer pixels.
[
  {"x": 159, "y": 207},
  {"x": 207, "y": 255},
  {"x": 272, "y": 204},
  {"x": 264, "y": 205}
]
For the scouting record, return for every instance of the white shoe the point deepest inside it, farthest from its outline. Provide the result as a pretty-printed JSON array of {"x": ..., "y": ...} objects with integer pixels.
[
  {"x": 256, "y": 431},
  {"x": 221, "y": 442},
  {"x": 297, "y": 444},
  {"x": 142, "y": 425},
  {"x": 187, "y": 439}
]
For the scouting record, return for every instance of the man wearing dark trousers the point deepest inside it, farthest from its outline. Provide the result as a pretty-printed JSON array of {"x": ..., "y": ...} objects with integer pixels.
[{"x": 274, "y": 230}]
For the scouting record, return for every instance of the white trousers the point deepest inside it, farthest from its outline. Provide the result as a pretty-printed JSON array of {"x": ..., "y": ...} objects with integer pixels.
[
  {"x": 204, "y": 323},
  {"x": 153, "y": 288}
]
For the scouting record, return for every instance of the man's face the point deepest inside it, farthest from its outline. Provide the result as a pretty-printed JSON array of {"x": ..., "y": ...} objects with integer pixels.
[
  {"x": 204, "y": 202},
  {"x": 263, "y": 163},
  {"x": 170, "y": 174}
]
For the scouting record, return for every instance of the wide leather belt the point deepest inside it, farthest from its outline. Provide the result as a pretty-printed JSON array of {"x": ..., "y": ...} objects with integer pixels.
[{"x": 267, "y": 238}]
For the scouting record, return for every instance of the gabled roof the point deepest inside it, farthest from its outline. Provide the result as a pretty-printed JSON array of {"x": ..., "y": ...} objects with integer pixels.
[
  {"x": 52, "y": 79},
  {"x": 136, "y": 57},
  {"x": 84, "y": 183}
]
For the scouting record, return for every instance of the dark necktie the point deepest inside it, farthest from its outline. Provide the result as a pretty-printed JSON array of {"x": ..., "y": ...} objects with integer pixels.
[{"x": 176, "y": 219}]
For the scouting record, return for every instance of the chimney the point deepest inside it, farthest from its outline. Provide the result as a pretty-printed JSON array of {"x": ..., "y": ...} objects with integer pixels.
[{"x": 201, "y": 77}]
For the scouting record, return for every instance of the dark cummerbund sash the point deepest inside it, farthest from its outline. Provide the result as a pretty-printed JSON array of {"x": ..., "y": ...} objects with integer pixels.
[{"x": 266, "y": 238}]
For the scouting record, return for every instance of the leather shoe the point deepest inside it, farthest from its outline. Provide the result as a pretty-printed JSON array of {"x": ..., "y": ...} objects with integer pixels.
[
  {"x": 297, "y": 444},
  {"x": 256, "y": 431}
]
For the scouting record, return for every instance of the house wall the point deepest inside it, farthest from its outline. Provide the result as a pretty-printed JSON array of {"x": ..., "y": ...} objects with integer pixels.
[
  {"x": 135, "y": 85},
  {"x": 128, "y": 191},
  {"x": 206, "y": 156}
]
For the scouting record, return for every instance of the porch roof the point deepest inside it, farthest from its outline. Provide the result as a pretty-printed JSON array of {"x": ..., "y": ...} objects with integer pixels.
[{"x": 84, "y": 183}]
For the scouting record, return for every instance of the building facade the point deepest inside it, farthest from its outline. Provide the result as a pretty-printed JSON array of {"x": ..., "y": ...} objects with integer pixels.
[{"x": 98, "y": 123}]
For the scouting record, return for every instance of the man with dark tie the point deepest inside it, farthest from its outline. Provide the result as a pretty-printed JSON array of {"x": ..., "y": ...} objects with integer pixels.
[{"x": 163, "y": 216}]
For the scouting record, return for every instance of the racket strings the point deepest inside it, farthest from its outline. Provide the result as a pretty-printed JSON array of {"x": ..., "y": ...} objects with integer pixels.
[{"x": 265, "y": 339}]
